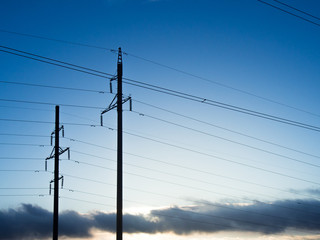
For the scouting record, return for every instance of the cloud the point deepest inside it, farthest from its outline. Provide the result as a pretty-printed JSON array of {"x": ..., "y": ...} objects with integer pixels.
[{"x": 34, "y": 222}]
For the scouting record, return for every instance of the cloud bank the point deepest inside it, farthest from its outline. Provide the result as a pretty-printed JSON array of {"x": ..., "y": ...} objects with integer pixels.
[{"x": 33, "y": 222}]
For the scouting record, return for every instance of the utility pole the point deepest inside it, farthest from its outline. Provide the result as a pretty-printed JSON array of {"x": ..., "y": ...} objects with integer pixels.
[
  {"x": 118, "y": 105},
  {"x": 56, "y": 178},
  {"x": 119, "y": 150},
  {"x": 56, "y": 152}
]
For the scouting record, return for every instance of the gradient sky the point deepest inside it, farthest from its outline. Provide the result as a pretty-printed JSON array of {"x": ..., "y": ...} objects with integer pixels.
[{"x": 191, "y": 170}]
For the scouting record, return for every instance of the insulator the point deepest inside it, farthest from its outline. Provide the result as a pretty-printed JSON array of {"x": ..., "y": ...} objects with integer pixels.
[
  {"x": 101, "y": 120},
  {"x": 130, "y": 103}
]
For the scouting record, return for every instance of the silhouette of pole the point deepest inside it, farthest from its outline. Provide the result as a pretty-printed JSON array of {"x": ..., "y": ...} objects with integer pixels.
[
  {"x": 56, "y": 178},
  {"x": 119, "y": 149}
]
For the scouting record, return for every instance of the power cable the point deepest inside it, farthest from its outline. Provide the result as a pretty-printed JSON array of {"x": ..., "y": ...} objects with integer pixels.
[
  {"x": 191, "y": 169},
  {"x": 296, "y": 9},
  {"x": 58, "y": 61},
  {"x": 50, "y": 104},
  {"x": 81, "y": 200},
  {"x": 222, "y": 159},
  {"x": 191, "y": 97},
  {"x": 283, "y": 10},
  {"x": 58, "y": 65},
  {"x": 185, "y": 186},
  {"x": 56, "y": 40},
  {"x": 179, "y": 147},
  {"x": 96, "y": 91},
  {"x": 226, "y": 129},
  {"x": 168, "y": 67},
  {"x": 53, "y": 87},
  {"x": 225, "y": 139},
  {"x": 163, "y": 172},
  {"x": 223, "y": 105}
]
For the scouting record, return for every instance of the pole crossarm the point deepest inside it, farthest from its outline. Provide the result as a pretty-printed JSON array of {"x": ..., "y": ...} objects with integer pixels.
[
  {"x": 52, "y": 181},
  {"x": 53, "y": 133},
  {"x": 113, "y": 105},
  {"x": 52, "y": 155}
]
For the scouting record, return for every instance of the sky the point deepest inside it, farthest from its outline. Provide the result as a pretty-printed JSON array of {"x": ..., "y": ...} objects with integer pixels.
[{"x": 230, "y": 153}]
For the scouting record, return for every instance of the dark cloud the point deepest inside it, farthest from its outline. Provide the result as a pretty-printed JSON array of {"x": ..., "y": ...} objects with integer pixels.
[
  {"x": 314, "y": 191},
  {"x": 33, "y": 222}
]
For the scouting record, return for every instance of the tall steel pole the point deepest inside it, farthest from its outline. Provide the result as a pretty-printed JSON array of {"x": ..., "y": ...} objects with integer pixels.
[
  {"x": 119, "y": 149},
  {"x": 56, "y": 178}
]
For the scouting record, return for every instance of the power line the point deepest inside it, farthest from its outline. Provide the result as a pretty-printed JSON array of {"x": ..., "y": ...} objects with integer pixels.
[
  {"x": 155, "y": 179},
  {"x": 226, "y": 139},
  {"x": 53, "y": 87},
  {"x": 80, "y": 200},
  {"x": 56, "y": 40},
  {"x": 283, "y": 10},
  {"x": 162, "y": 172},
  {"x": 206, "y": 172},
  {"x": 23, "y": 195},
  {"x": 187, "y": 168},
  {"x": 191, "y": 97},
  {"x": 180, "y": 147},
  {"x": 168, "y": 67},
  {"x": 22, "y": 188},
  {"x": 223, "y": 85},
  {"x": 56, "y": 64},
  {"x": 222, "y": 105},
  {"x": 297, "y": 9},
  {"x": 20, "y": 158},
  {"x": 50, "y": 104},
  {"x": 25, "y": 144},
  {"x": 182, "y": 185},
  {"x": 222, "y": 159},
  {"x": 22, "y": 135},
  {"x": 96, "y": 91},
  {"x": 226, "y": 129}
]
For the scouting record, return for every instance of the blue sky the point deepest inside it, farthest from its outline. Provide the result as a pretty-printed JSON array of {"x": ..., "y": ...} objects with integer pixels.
[{"x": 191, "y": 170}]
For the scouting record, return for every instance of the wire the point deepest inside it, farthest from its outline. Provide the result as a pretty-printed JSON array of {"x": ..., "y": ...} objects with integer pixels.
[
  {"x": 58, "y": 61},
  {"x": 297, "y": 9},
  {"x": 20, "y": 158},
  {"x": 96, "y": 91},
  {"x": 185, "y": 186},
  {"x": 80, "y": 200},
  {"x": 188, "y": 168},
  {"x": 183, "y": 148},
  {"x": 22, "y": 135},
  {"x": 22, "y": 188},
  {"x": 226, "y": 129},
  {"x": 56, "y": 40},
  {"x": 58, "y": 65},
  {"x": 222, "y": 159},
  {"x": 223, "y": 85},
  {"x": 225, "y": 139},
  {"x": 168, "y": 67},
  {"x": 225, "y": 106},
  {"x": 50, "y": 104},
  {"x": 162, "y": 172},
  {"x": 305, "y": 19},
  {"x": 54, "y": 87},
  {"x": 23, "y": 195},
  {"x": 25, "y": 144},
  {"x": 193, "y": 98}
]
